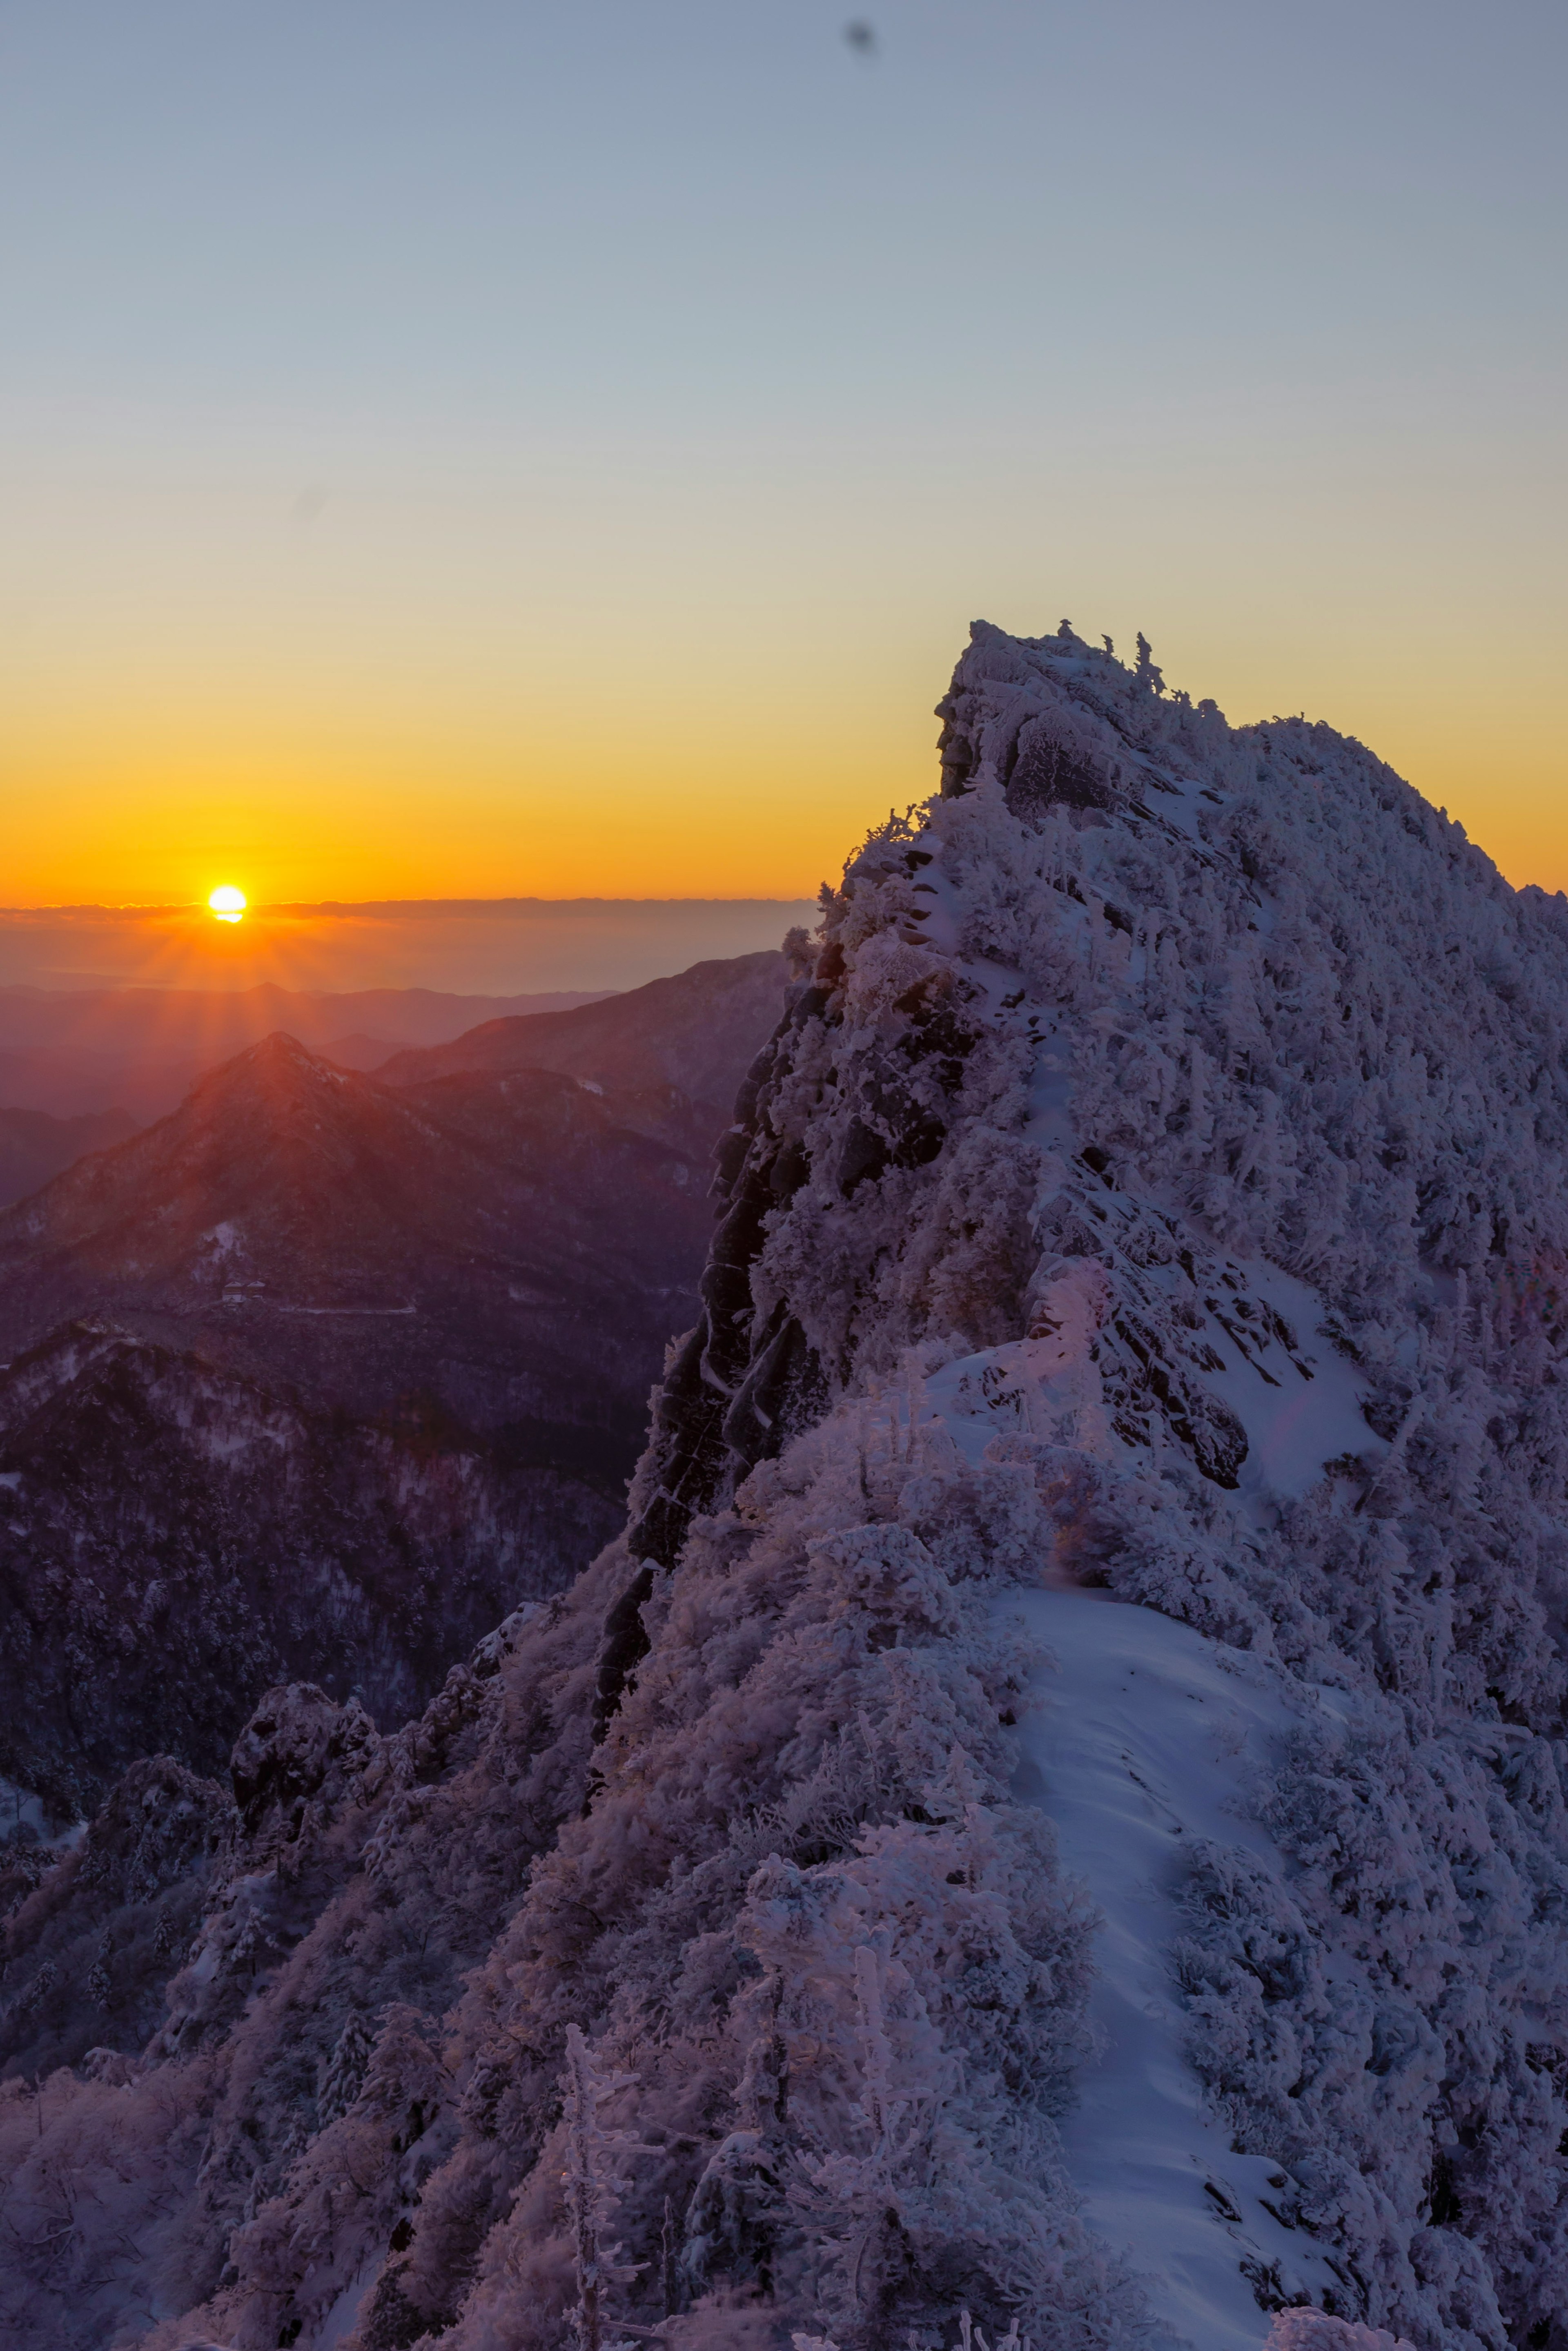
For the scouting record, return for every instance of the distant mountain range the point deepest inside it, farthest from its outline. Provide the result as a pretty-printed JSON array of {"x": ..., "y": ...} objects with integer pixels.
[
  {"x": 487, "y": 1242},
  {"x": 325, "y": 1372},
  {"x": 695, "y": 1031},
  {"x": 68, "y": 1051}
]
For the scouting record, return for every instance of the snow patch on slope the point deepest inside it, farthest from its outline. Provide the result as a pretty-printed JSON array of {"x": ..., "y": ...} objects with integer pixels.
[
  {"x": 1300, "y": 1408},
  {"x": 1293, "y": 1424}
]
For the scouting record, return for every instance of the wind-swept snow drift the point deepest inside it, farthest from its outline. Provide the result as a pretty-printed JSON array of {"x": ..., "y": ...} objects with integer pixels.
[{"x": 1056, "y": 1804}]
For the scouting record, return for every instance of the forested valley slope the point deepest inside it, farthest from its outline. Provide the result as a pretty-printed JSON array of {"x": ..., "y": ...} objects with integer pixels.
[{"x": 319, "y": 1377}]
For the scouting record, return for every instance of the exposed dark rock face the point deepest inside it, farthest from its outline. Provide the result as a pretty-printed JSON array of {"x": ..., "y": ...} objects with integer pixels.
[
  {"x": 737, "y": 1386},
  {"x": 749, "y": 1377}
]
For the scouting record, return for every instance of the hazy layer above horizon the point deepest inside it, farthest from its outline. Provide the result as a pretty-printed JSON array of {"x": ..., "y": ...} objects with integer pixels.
[{"x": 503, "y": 946}]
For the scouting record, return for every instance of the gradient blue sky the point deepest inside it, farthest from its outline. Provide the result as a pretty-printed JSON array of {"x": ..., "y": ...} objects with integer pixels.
[{"x": 483, "y": 448}]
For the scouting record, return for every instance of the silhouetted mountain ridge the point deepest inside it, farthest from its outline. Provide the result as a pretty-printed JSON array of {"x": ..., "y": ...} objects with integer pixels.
[{"x": 698, "y": 1030}]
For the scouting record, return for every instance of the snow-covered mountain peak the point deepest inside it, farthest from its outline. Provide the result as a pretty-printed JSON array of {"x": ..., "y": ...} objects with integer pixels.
[
  {"x": 1179, "y": 1110},
  {"x": 1054, "y": 1814}
]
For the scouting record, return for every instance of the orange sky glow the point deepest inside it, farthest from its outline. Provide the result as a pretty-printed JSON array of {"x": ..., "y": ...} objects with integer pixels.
[
  {"x": 577, "y": 788},
  {"x": 463, "y": 457}
]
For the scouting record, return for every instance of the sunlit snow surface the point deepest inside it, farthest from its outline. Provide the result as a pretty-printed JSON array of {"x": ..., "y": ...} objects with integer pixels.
[{"x": 1142, "y": 1741}]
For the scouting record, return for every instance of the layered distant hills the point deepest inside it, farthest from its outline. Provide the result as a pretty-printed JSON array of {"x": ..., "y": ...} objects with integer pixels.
[
  {"x": 69, "y": 1051},
  {"x": 320, "y": 1375}
]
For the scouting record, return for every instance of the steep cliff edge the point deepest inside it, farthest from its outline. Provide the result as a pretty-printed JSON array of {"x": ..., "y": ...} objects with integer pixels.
[{"x": 1055, "y": 1807}]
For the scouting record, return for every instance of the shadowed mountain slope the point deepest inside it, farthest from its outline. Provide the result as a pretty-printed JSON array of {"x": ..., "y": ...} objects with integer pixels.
[
  {"x": 33, "y": 1146},
  {"x": 317, "y": 1378},
  {"x": 513, "y": 1251},
  {"x": 698, "y": 1030}
]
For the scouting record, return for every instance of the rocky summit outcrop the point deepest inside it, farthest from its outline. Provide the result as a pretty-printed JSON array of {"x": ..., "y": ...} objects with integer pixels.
[{"x": 1053, "y": 1816}]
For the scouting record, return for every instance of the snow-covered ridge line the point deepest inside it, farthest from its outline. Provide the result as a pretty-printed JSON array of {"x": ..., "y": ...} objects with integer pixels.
[{"x": 1146, "y": 1223}]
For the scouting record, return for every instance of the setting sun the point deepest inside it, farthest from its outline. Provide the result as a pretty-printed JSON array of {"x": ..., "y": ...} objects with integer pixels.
[{"x": 227, "y": 903}]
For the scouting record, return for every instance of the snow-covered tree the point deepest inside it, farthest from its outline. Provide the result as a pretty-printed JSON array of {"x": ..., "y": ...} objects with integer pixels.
[{"x": 594, "y": 2182}]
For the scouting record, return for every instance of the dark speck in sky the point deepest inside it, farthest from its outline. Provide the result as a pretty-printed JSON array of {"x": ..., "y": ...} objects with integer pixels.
[{"x": 861, "y": 36}]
